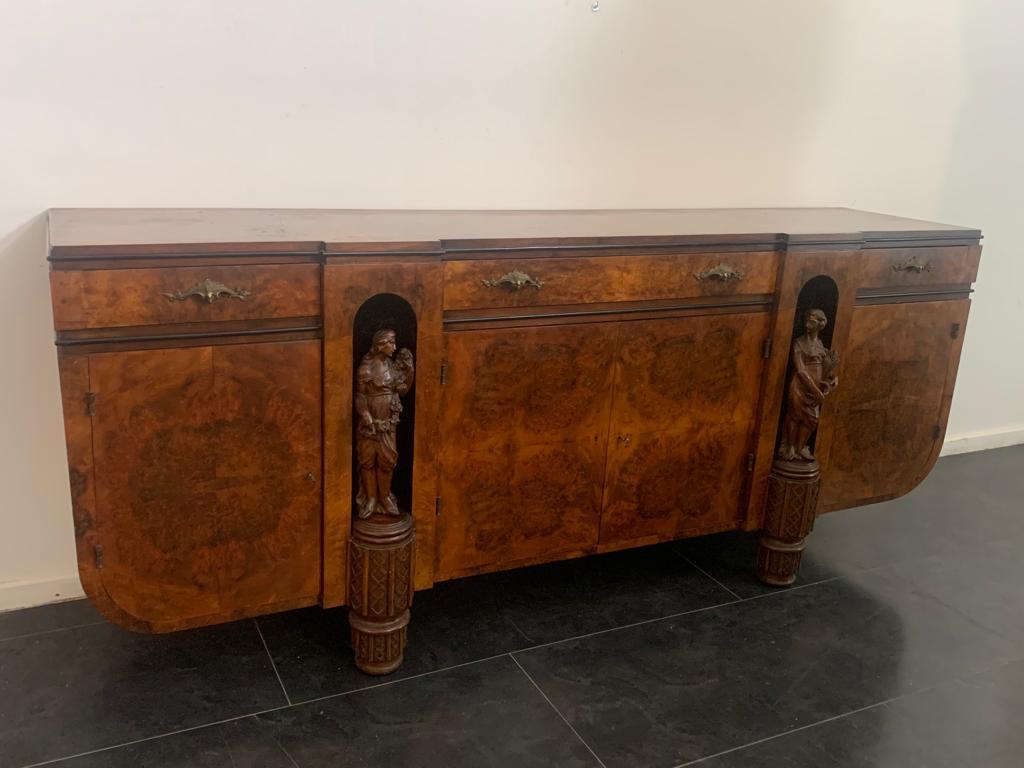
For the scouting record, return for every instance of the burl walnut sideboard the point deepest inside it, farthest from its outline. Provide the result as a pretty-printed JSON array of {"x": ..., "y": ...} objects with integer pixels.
[{"x": 268, "y": 409}]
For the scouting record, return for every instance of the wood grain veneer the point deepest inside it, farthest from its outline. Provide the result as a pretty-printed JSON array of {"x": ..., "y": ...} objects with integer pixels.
[{"x": 585, "y": 381}]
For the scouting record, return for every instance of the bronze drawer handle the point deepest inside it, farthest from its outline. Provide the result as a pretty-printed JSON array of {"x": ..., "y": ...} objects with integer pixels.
[
  {"x": 913, "y": 265},
  {"x": 210, "y": 291},
  {"x": 721, "y": 272},
  {"x": 515, "y": 280}
]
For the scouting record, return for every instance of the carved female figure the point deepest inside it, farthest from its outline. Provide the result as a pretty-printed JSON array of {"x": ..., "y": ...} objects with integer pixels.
[
  {"x": 380, "y": 381},
  {"x": 813, "y": 379}
]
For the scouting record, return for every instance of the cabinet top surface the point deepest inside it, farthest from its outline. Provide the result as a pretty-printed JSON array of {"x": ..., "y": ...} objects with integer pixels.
[{"x": 299, "y": 230}]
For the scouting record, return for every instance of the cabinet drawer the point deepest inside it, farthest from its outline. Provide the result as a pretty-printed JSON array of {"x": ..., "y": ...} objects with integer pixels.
[
  {"x": 485, "y": 283},
  {"x": 121, "y": 297},
  {"x": 911, "y": 267}
]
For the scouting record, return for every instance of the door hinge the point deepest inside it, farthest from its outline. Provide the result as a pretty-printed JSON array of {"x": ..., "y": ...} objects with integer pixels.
[
  {"x": 954, "y": 332},
  {"x": 437, "y": 506},
  {"x": 750, "y": 462},
  {"x": 97, "y": 552},
  {"x": 90, "y": 403},
  {"x": 766, "y": 348},
  {"x": 444, "y": 371},
  {"x": 936, "y": 432}
]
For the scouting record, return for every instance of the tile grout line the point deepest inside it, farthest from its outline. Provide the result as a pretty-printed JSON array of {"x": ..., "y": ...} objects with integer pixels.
[
  {"x": 397, "y": 680},
  {"x": 557, "y": 710},
  {"x": 809, "y": 725},
  {"x": 787, "y": 590},
  {"x": 52, "y": 631},
  {"x": 133, "y": 742},
  {"x": 304, "y": 702},
  {"x": 404, "y": 679},
  {"x": 286, "y": 752},
  {"x": 226, "y": 720},
  {"x": 273, "y": 666},
  {"x": 694, "y": 565},
  {"x": 626, "y": 626}
]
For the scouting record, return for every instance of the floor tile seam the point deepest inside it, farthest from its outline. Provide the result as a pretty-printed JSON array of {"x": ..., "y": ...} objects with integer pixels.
[
  {"x": 626, "y": 626},
  {"x": 525, "y": 649},
  {"x": 789, "y": 590},
  {"x": 154, "y": 737},
  {"x": 692, "y": 564},
  {"x": 842, "y": 715},
  {"x": 52, "y": 631},
  {"x": 959, "y": 677},
  {"x": 273, "y": 666},
  {"x": 396, "y": 681},
  {"x": 286, "y": 752},
  {"x": 292, "y": 705},
  {"x": 557, "y": 711}
]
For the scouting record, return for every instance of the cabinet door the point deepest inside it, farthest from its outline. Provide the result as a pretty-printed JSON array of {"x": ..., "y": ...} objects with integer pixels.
[
  {"x": 683, "y": 415},
  {"x": 524, "y": 425},
  {"x": 893, "y": 399},
  {"x": 207, "y": 467}
]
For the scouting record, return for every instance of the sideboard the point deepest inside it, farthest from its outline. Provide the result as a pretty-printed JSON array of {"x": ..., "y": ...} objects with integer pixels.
[{"x": 268, "y": 409}]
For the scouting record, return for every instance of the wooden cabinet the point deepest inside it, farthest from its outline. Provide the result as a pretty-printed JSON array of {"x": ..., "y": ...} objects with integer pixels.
[
  {"x": 889, "y": 426},
  {"x": 554, "y": 384},
  {"x": 582, "y": 437},
  {"x": 524, "y": 478},
  {"x": 682, "y": 426},
  {"x": 206, "y": 479}
]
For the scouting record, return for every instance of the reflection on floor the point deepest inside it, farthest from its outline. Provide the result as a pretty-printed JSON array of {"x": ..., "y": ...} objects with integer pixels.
[{"x": 902, "y": 644}]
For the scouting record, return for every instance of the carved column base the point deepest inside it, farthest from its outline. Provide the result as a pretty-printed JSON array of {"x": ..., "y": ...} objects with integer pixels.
[
  {"x": 380, "y": 590},
  {"x": 789, "y": 510}
]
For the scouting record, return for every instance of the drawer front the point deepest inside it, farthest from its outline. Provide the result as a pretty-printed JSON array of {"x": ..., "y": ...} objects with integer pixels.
[
  {"x": 123, "y": 297},
  {"x": 487, "y": 283},
  {"x": 919, "y": 267}
]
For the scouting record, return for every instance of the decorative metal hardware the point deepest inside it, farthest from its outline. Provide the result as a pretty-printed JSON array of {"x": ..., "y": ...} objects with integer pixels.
[
  {"x": 515, "y": 280},
  {"x": 954, "y": 331},
  {"x": 209, "y": 290},
  {"x": 912, "y": 265},
  {"x": 311, "y": 477},
  {"x": 97, "y": 553},
  {"x": 90, "y": 403},
  {"x": 444, "y": 371},
  {"x": 750, "y": 462},
  {"x": 766, "y": 348},
  {"x": 721, "y": 272},
  {"x": 625, "y": 440}
]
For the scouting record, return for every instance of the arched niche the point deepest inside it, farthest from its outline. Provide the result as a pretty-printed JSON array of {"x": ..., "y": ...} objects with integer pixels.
[
  {"x": 820, "y": 292},
  {"x": 386, "y": 310}
]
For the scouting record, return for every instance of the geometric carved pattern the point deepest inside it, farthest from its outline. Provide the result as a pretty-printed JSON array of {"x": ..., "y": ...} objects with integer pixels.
[
  {"x": 790, "y": 507},
  {"x": 380, "y": 590}
]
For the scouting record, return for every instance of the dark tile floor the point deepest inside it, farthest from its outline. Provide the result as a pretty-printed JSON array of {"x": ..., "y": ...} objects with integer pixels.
[{"x": 901, "y": 645}]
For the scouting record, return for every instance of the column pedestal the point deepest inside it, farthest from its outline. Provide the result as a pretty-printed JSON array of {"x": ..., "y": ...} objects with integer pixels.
[
  {"x": 380, "y": 590},
  {"x": 789, "y": 512}
]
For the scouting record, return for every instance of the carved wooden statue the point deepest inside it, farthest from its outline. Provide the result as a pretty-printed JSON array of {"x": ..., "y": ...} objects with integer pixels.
[
  {"x": 812, "y": 380},
  {"x": 381, "y": 547},
  {"x": 380, "y": 381},
  {"x": 791, "y": 503}
]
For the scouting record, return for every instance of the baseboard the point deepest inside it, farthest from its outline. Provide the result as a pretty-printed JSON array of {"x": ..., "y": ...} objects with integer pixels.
[
  {"x": 982, "y": 441},
  {"x": 25, "y": 594}
]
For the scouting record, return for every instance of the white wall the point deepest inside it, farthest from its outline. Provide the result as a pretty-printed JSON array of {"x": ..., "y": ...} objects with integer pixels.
[{"x": 911, "y": 107}]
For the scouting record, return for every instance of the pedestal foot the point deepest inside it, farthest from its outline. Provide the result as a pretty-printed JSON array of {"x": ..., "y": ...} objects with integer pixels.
[
  {"x": 788, "y": 517},
  {"x": 380, "y": 590}
]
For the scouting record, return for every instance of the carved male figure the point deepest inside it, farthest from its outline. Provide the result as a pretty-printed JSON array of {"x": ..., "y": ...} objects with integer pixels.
[
  {"x": 380, "y": 381},
  {"x": 813, "y": 379}
]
